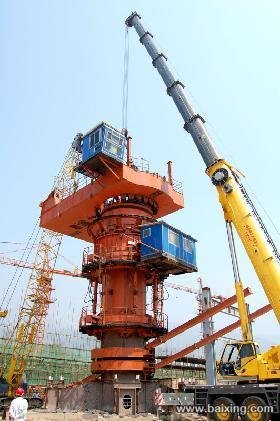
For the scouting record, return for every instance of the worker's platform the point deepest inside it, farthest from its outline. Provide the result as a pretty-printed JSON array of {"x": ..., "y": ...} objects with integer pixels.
[
  {"x": 167, "y": 264},
  {"x": 167, "y": 249},
  {"x": 72, "y": 215}
]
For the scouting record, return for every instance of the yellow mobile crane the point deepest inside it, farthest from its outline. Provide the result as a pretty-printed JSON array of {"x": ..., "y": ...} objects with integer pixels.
[
  {"x": 239, "y": 211},
  {"x": 242, "y": 360}
]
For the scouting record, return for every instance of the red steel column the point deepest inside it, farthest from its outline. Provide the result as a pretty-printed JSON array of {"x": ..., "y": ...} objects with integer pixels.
[{"x": 120, "y": 318}]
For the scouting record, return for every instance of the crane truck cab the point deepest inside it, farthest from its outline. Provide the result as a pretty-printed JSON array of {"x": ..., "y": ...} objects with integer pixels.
[
  {"x": 238, "y": 357},
  {"x": 243, "y": 361}
]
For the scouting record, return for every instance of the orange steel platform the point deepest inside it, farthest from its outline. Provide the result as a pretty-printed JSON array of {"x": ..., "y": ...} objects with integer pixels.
[{"x": 72, "y": 215}]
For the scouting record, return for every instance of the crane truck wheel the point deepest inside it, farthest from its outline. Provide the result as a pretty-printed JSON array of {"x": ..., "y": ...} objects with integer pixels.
[
  {"x": 255, "y": 409},
  {"x": 224, "y": 409}
]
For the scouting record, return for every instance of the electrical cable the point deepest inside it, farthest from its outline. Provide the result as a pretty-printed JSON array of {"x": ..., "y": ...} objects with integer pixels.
[
  {"x": 16, "y": 251},
  {"x": 167, "y": 292},
  {"x": 10, "y": 242},
  {"x": 22, "y": 259},
  {"x": 4, "y": 361},
  {"x": 89, "y": 294}
]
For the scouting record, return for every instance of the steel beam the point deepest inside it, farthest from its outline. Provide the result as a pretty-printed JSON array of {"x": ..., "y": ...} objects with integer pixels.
[
  {"x": 196, "y": 320},
  {"x": 211, "y": 338}
]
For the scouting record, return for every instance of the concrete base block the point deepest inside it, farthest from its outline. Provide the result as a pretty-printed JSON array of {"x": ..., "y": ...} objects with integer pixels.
[{"x": 104, "y": 397}]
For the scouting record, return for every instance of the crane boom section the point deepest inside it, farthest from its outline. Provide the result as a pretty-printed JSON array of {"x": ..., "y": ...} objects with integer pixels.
[
  {"x": 194, "y": 123},
  {"x": 253, "y": 234},
  {"x": 238, "y": 211}
]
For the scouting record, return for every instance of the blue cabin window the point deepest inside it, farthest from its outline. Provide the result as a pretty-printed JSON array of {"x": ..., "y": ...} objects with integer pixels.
[
  {"x": 173, "y": 238},
  {"x": 114, "y": 143},
  {"x": 115, "y": 138},
  {"x": 146, "y": 232},
  {"x": 94, "y": 138},
  {"x": 187, "y": 245}
]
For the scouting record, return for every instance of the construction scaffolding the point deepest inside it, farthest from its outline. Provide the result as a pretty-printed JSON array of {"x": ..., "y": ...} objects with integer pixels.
[
  {"x": 55, "y": 363},
  {"x": 66, "y": 358}
]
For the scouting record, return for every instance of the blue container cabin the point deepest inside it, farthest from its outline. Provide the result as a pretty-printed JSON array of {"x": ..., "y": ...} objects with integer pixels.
[
  {"x": 167, "y": 248},
  {"x": 102, "y": 141}
]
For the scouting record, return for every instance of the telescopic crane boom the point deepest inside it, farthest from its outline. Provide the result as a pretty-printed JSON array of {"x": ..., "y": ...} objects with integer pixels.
[{"x": 237, "y": 207}]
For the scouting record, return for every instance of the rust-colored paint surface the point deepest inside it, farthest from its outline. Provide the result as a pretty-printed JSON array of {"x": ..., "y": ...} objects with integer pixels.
[
  {"x": 118, "y": 352},
  {"x": 118, "y": 365}
]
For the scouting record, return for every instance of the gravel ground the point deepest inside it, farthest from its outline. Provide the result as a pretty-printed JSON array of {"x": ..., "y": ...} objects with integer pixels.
[{"x": 83, "y": 416}]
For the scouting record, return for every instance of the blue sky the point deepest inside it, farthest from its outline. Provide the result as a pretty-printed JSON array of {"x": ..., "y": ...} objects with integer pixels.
[{"x": 61, "y": 73}]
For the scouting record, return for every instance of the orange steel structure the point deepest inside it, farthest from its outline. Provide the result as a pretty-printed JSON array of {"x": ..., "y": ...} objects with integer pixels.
[
  {"x": 72, "y": 215},
  {"x": 108, "y": 213},
  {"x": 108, "y": 210}
]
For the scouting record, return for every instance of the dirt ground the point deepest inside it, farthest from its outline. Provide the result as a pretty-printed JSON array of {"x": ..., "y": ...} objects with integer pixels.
[{"x": 83, "y": 416}]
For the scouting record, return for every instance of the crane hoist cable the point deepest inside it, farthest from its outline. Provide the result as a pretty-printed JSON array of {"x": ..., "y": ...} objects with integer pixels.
[
  {"x": 233, "y": 160},
  {"x": 261, "y": 205},
  {"x": 125, "y": 79}
]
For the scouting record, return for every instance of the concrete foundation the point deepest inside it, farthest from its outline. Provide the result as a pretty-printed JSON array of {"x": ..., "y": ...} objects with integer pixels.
[{"x": 111, "y": 397}]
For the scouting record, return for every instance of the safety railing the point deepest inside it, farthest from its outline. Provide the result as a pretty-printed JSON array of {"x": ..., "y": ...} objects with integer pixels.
[
  {"x": 157, "y": 319},
  {"x": 87, "y": 317},
  {"x": 100, "y": 255},
  {"x": 70, "y": 183},
  {"x": 140, "y": 164},
  {"x": 177, "y": 186}
]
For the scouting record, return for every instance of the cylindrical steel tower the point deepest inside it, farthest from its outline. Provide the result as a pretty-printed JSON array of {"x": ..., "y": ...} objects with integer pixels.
[
  {"x": 120, "y": 316},
  {"x": 119, "y": 202}
]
